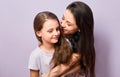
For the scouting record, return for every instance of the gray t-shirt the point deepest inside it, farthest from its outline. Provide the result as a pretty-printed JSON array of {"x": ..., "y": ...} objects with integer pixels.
[{"x": 39, "y": 60}]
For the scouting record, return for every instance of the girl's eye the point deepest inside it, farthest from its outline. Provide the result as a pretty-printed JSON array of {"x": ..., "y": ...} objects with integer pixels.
[{"x": 50, "y": 31}]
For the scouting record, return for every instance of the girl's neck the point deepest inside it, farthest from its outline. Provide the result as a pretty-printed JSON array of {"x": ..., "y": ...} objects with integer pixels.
[{"x": 47, "y": 48}]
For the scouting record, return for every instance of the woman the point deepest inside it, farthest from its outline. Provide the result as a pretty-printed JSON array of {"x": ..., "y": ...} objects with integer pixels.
[{"x": 77, "y": 24}]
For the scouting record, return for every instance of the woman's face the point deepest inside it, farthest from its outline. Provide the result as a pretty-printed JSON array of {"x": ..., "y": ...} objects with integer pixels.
[{"x": 68, "y": 23}]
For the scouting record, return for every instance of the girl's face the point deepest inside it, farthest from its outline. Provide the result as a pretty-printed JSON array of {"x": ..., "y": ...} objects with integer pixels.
[
  {"x": 68, "y": 23},
  {"x": 50, "y": 32}
]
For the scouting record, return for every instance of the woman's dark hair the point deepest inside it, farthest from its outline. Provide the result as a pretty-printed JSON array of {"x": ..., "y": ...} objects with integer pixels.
[{"x": 85, "y": 45}]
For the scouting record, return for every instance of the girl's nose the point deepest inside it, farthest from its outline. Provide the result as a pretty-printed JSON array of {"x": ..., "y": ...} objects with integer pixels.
[{"x": 57, "y": 32}]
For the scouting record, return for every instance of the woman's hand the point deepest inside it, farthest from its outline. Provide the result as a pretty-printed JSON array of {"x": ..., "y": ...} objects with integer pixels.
[
  {"x": 75, "y": 59},
  {"x": 58, "y": 70}
]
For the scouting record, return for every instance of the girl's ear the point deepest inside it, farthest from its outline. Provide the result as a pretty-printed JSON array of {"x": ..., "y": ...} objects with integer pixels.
[{"x": 38, "y": 33}]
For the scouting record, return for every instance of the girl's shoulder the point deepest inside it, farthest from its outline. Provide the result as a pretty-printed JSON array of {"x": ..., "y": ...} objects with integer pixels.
[{"x": 36, "y": 52}]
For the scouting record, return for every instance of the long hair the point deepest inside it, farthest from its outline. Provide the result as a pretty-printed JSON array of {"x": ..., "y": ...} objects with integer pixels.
[
  {"x": 85, "y": 45},
  {"x": 63, "y": 51}
]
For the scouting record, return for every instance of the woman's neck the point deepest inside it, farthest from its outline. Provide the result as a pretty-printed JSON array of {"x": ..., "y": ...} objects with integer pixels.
[
  {"x": 69, "y": 36},
  {"x": 72, "y": 35}
]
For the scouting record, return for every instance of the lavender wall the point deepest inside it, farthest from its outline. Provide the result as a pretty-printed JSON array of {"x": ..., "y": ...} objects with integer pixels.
[{"x": 17, "y": 38}]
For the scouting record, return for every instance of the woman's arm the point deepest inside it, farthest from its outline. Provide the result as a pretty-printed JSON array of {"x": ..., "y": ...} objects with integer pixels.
[
  {"x": 34, "y": 73},
  {"x": 72, "y": 70},
  {"x": 57, "y": 71},
  {"x": 74, "y": 65},
  {"x": 64, "y": 69}
]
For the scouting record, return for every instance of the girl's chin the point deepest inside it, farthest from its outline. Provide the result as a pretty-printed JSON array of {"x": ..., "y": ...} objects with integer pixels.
[{"x": 54, "y": 41}]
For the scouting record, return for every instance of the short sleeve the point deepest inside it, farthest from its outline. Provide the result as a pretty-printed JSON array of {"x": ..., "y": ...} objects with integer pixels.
[{"x": 32, "y": 64}]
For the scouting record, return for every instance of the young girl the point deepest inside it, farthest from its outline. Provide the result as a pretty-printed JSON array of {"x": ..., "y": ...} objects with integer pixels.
[{"x": 48, "y": 33}]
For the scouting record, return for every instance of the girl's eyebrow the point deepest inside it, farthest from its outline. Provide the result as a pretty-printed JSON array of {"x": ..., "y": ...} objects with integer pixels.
[{"x": 50, "y": 28}]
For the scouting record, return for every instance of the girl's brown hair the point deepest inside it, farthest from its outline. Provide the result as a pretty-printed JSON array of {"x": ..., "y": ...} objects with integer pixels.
[{"x": 62, "y": 52}]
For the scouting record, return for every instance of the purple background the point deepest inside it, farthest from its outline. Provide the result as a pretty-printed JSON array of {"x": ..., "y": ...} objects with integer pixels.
[{"x": 17, "y": 38}]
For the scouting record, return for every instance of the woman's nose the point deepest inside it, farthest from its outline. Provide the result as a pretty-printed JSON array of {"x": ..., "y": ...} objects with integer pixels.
[{"x": 62, "y": 24}]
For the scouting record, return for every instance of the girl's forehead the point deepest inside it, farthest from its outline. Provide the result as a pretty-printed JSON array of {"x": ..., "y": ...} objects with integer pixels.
[{"x": 51, "y": 23}]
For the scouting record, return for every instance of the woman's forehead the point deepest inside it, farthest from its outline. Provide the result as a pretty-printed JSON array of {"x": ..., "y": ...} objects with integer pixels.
[{"x": 69, "y": 16}]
